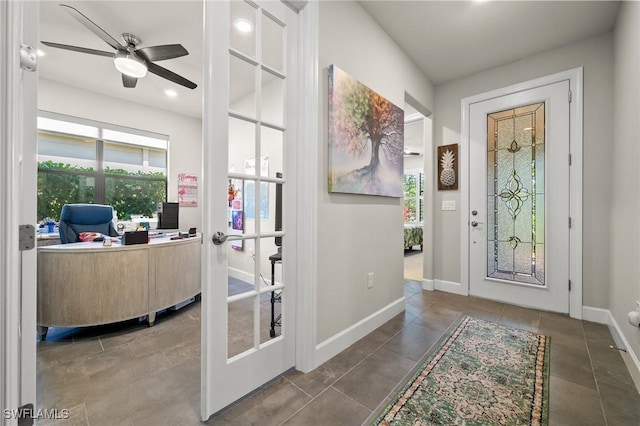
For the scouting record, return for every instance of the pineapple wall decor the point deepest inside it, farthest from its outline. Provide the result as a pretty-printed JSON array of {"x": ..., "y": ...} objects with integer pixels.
[{"x": 448, "y": 167}]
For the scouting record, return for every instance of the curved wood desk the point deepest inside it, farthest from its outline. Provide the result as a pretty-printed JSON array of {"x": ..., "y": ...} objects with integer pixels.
[{"x": 84, "y": 284}]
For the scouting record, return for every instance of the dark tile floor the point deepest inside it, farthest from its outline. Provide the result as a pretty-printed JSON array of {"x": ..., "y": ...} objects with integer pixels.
[{"x": 129, "y": 374}]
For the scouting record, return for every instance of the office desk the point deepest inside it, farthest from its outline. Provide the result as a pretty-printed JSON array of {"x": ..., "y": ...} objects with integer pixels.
[{"x": 84, "y": 284}]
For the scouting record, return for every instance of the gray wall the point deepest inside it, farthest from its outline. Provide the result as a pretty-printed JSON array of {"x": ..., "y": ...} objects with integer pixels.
[
  {"x": 624, "y": 253},
  {"x": 596, "y": 56},
  {"x": 358, "y": 234}
]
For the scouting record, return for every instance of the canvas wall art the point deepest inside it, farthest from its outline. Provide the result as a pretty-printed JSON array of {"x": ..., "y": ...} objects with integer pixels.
[
  {"x": 448, "y": 167},
  {"x": 366, "y": 139}
]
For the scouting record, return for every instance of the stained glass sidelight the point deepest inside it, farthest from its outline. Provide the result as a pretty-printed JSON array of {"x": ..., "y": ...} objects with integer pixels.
[{"x": 515, "y": 194}]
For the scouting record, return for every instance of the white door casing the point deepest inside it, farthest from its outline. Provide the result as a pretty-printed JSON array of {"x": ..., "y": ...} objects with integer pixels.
[
  {"x": 18, "y": 23},
  {"x": 228, "y": 376},
  {"x": 563, "y": 189}
]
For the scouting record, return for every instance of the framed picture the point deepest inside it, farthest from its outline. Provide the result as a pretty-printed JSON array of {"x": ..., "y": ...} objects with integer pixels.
[
  {"x": 448, "y": 167},
  {"x": 237, "y": 220},
  {"x": 366, "y": 139}
]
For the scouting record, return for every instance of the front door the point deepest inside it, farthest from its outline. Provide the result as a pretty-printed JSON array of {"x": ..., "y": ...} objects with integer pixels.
[
  {"x": 519, "y": 198},
  {"x": 249, "y": 157}
]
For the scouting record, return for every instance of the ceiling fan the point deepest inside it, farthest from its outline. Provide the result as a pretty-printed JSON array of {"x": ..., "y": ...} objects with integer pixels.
[{"x": 132, "y": 63}]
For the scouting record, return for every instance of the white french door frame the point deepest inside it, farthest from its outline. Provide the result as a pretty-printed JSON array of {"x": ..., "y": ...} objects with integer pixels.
[
  {"x": 301, "y": 218},
  {"x": 575, "y": 77},
  {"x": 18, "y": 89}
]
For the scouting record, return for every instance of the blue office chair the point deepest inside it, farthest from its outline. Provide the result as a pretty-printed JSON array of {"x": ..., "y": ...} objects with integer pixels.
[{"x": 77, "y": 218}]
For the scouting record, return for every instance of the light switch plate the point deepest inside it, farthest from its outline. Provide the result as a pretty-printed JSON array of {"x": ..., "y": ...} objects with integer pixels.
[{"x": 448, "y": 205}]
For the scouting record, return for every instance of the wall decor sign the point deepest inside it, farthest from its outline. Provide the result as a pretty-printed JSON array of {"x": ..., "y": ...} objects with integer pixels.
[
  {"x": 366, "y": 139},
  {"x": 187, "y": 190},
  {"x": 448, "y": 167}
]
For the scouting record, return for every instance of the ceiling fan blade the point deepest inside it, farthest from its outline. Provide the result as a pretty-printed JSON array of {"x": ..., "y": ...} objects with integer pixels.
[
  {"x": 78, "y": 49},
  {"x": 170, "y": 75},
  {"x": 129, "y": 82},
  {"x": 160, "y": 53},
  {"x": 93, "y": 27}
]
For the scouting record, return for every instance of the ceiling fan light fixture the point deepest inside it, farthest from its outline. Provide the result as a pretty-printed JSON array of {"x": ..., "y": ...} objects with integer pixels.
[{"x": 129, "y": 64}]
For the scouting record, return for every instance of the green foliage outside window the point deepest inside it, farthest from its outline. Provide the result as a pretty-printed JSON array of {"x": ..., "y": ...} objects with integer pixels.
[
  {"x": 60, "y": 184},
  {"x": 134, "y": 193},
  {"x": 410, "y": 192},
  {"x": 413, "y": 209},
  {"x": 129, "y": 193}
]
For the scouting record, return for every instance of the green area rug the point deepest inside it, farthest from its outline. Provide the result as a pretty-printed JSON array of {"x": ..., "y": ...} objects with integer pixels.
[{"x": 482, "y": 374}]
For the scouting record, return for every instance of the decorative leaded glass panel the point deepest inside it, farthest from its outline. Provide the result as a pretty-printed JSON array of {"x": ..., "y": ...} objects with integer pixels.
[{"x": 515, "y": 194}]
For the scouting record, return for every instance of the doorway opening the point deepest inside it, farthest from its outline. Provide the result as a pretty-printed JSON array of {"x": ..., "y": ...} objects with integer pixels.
[
  {"x": 104, "y": 373},
  {"x": 418, "y": 197}
]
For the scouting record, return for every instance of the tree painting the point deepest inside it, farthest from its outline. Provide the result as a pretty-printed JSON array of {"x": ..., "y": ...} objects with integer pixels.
[{"x": 366, "y": 139}]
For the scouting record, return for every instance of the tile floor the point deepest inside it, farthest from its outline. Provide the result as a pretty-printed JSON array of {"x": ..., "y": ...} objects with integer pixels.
[{"x": 129, "y": 374}]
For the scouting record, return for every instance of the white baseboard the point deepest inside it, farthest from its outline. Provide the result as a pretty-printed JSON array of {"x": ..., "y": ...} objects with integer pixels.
[
  {"x": 428, "y": 285},
  {"x": 241, "y": 275},
  {"x": 604, "y": 316},
  {"x": 341, "y": 341},
  {"x": 450, "y": 287},
  {"x": 599, "y": 315}
]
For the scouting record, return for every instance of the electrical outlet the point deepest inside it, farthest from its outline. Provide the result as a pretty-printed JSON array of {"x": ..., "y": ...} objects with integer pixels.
[{"x": 370, "y": 280}]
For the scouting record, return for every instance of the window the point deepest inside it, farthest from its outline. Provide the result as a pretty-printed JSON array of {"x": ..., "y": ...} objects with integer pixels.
[
  {"x": 413, "y": 210},
  {"x": 83, "y": 161}
]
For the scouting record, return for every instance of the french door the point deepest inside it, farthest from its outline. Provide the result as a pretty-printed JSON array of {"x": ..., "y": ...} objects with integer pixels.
[
  {"x": 519, "y": 197},
  {"x": 249, "y": 155},
  {"x": 18, "y": 99}
]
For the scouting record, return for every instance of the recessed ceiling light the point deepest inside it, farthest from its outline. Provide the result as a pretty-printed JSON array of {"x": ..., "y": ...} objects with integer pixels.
[
  {"x": 41, "y": 52},
  {"x": 171, "y": 93},
  {"x": 243, "y": 25}
]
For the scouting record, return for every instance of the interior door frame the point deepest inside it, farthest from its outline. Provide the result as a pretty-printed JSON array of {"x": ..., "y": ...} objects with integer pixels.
[
  {"x": 18, "y": 182},
  {"x": 575, "y": 77}
]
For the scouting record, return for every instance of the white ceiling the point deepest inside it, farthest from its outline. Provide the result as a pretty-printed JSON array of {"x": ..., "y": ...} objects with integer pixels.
[
  {"x": 452, "y": 39},
  {"x": 155, "y": 22},
  {"x": 446, "y": 39}
]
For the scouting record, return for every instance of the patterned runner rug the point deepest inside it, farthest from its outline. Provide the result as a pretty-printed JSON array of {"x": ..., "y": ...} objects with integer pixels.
[{"x": 482, "y": 374}]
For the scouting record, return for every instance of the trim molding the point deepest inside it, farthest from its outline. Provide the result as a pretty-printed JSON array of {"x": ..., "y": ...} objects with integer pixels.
[
  {"x": 341, "y": 341},
  {"x": 599, "y": 315},
  {"x": 450, "y": 287},
  {"x": 428, "y": 285},
  {"x": 307, "y": 188},
  {"x": 604, "y": 316},
  {"x": 245, "y": 276}
]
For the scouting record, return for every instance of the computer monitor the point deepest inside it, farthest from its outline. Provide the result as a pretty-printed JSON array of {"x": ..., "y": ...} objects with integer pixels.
[{"x": 168, "y": 215}]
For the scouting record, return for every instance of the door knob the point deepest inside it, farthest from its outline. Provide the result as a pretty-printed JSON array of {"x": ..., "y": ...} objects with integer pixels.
[
  {"x": 220, "y": 237},
  {"x": 474, "y": 223}
]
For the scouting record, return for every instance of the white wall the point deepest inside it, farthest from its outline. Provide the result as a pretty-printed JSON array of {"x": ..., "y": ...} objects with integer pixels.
[
  {"x": 624, "y": 252},
  {"x": 185, "y": 133},
  {"x": 596, "y": 56},
  {"x": 358, "y": 234}
]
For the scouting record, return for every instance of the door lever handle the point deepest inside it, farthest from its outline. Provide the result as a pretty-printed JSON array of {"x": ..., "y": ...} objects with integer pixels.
[{"x": 220, "y": 237}]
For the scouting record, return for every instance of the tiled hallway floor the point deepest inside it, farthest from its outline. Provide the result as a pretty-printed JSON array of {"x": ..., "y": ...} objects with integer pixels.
[{"x": 130, "y": 374}]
